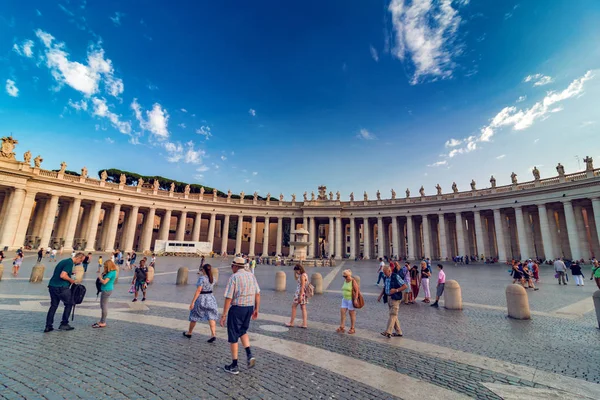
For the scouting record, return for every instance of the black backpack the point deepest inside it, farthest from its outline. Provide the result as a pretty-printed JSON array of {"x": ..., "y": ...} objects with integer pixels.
[{"x": 77, "y": 296}]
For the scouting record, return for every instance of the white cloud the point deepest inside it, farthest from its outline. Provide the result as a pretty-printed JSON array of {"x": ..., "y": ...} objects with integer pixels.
[
  {"x": 586, "y": 123},
  {"x": 187, "y": 153},
  {"x": 425, "y": 33},
  {"x": 438, "y": 164},
  {"x": 109, "y": 140},
  {"x": 101, "y": 110},
  {"x": 85, "y": 78},
  {"x": 202, "y": 168},
  {"x": 26, "y": 49},
  {"x": 501, "y": 156},
  {"x": 183, "y": 110},
  {"x": 254, "y": 173},
  {"x": 223, "y": 158},
  {"x": 365, "y": 135},
  {"x": 247, "y": 180},
  {"x": 538, "y": 79},
  {"x": 11, "y": 88},
  {"x": 374, "y": 53},
  {"x": 252, "y": 112},
  {"x": 535, "y": 141},
  {"x": 182, "y": 125},
  {"x": 38, "y": 12},
  {"x": 205, "y": 131},
  {"x": 453, "y": 142},
  {"x": 78, "y": 105},
  {"x": 116, "y": 19},
  {"x": 156, "y": 121},
  {"x": 521, "y": 99}
]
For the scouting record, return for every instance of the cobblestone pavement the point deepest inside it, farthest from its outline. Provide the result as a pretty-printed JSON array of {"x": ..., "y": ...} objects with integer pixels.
[{"x": 560, "y": 344}]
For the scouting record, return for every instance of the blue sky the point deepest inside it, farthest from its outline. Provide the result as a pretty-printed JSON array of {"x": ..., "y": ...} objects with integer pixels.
[{"x": 361, "y": 95}]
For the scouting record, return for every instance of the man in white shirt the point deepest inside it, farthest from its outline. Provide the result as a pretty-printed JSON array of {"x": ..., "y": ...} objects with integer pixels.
[
  {"x": 53, "y": 255},
  {"x": 381, "y": 275},
  {"x": 561, "y": 269}
]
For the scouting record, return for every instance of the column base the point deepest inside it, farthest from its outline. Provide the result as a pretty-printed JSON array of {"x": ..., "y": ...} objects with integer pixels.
[{"x": 89, "y": 249}]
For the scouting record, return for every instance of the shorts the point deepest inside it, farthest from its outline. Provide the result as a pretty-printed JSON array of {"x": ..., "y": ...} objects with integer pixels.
[
  {"x": 440, "y": 290},
  {"x": 348, "y": 304},
  {"x": 238, "y": 322},
  {"x": 140, "y": 285}
]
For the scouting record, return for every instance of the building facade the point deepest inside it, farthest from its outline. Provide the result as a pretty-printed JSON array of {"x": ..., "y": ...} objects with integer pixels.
[{"x": 542, "y": 218}]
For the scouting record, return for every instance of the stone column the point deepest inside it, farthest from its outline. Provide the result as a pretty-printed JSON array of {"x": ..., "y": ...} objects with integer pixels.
[
  {"x": 105, "y": 225},
  {"x": 130, "y": 229},
  {"x": 426, "y": 238},
  {"x": 339, "y": 235},
  {"x": 197, "y": 228},
  {"x": 49, "y": 222},
  {"x": 181, "y": 221},
  {"x": 572, "y": 230},
  {"x": 410, "y": 233},
  {"x": 113, "y": 226},
  {"x": 38, "y": 217},
  {"x": 596, "y": 210},
  {"x": 225, "y": 234},
  {"x": 280, "y": 236},
  {"x": 582, "y": 232},
  {"x": 148, "y": 229},
  {"x": 366, "y": 239},
  {"x": 331, "y": 239},
  {"x": 92, "y": 231},
  {"x": 442, "y": 235},
  {"x": 84, "y": 225},
  {"x": 312, "y": 237},
  {"x": 24, "y": 214},
  {"x": 251, "y": 252},
  {"x": 380, "y": 238},
  {"x": 266, "y": 234},
  {"x": 165, "y": 225},
  {"x": 546, "y": 237},
  {"x": 63, "y": 217},
  {"x": 238, "y": 236},
  {"x": 211, "y": 230},
  {"x": 479, "y": 235},
  {"x": 72, "y": 224},
  {"x": 499, "y": 235},
  {"x": 522, "y": 234},
  {"x": 352, "y": 238},
  {"x": 460, "y": 235}
]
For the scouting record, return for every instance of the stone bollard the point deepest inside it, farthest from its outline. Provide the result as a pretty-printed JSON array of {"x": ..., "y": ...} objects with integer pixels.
[
  {"x": 215, "y": 275},
  {"x": 317, "y": 281},
  {"x": 78, "y": 271},
  {"x": 596, "y": 297},
  {"x": 280, "y": 281},
  {"x": 452, "y": 295},
  {"x": 182, "y": 276},
  {"x": 37, "y": 274},
  {"x": 357, "y": 279},
  {"x": 517, "y": 302},
  {"x": 150, "y": 275},
  {"x": 1, "y": 271}
]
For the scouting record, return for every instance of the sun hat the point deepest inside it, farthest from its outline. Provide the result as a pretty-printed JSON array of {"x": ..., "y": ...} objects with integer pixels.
[{"x": 239, "y": 261}]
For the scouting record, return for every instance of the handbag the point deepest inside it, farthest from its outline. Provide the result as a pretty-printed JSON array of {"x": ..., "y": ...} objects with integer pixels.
[
  {"x": 358, "y": 300},
  {"x": 132, "y": 289}
]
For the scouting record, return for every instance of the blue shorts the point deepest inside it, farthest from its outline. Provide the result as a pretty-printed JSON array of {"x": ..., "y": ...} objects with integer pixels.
[
  {"x": 348, "y": 304},
  {"x": 238, "y": 322},
  {"x": 139, "y": 285}
]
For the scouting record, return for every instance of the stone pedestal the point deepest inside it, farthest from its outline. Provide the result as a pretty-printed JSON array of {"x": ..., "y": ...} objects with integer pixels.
[
  {"x": 452, "y": 295},
  {"x": 150, "y": 275},
  {"x": 78, "y": 272},
  {"x": 316, "y": 280},
  {"x": 596, "y": 297},
  {"x": 1, "y": 271},
  {"x": 280, "y": 281},
  {"x": 182, "y": 276},
  {"x": 215, "y": 275},
  {"x": 517, "y": 302},
  {"x": 37, "y": 274}
]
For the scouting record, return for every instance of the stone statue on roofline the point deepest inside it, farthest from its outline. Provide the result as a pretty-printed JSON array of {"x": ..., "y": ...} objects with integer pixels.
[
  {"x": 103, "y": 175},
  {"x": 312, "y": 196},
  {"x": 172, "y": 187},
  {"x": 202, "y": 190},
  {"x": 122, "y": 179},
  {"x": 268, "y": 197},
  {"x": 63, "y": 167},
  {"x": 560, "y": 169},
  {"x": 393, "y": 194},
  {"x": 255, "y": 195},
  {"x": 513, "y": 178},
  {"x": 229, "y": 193},
  {"x": 378, "y": 195},
  {"x": 473, "y": 184},
  {"x": 422, "y": 191},
  {"x": 215, "y": 193},
  {"x": 338, "y": 195},
  {"x": 589, "y": 163},
  {"x": 37, "y": 162},
  {"x": 454, "y": 187},
  {"x": 84, "y": 172},
  {"x": 407, "y": 193},
  {"x": 155, "y": 184},
  {"x": 366, "y": 196},
  {"x": 305, "y": 196},
  {"x": 27, "y": 157},
  {"x": 330, "y": 195},
  {"x": 8, "y": 146},
  {"x": 493, "y": 181},
  {"x": 352, "y": 196},
  {"x": 294, "y": 197},
  {"x": 186, "y": 190},
  {"x": 242, "y": 195},
  {"x": 280, "y": 196},
  {"x": 140, "y": 182},
  {"x": 536, "y": 173},
  {"x": 439, "y": 189}
]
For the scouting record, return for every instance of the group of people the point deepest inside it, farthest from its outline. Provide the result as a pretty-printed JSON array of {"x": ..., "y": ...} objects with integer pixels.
[
  {"x": 415, "y": 279},
  {"x": 525, "y": 272},
  {"x": 561, "y": 268}
]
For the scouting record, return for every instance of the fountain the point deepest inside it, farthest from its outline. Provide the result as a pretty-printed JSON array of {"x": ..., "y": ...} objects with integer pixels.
[{"x": 300, "y": 243}]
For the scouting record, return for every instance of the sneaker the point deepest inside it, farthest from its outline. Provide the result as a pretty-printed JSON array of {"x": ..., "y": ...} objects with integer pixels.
[
  {"x": 232, "y": 370},
  {"x": 65, "y": 327},
  {"x": 48, "y": 329},
  {"x": 435, "y": 305},
  {"x": 251, "y": 362},
  {"x": 536, "y": 289},
  {"x": 143, "y": 299},
  {"x": 134, "y": 300}
]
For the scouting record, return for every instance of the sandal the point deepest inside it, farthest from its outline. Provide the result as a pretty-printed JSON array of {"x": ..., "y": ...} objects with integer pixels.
[
  {"x": 97, "y": 325},
  {"x": 341, "y": 329},
  {"x": 289, "y": 325},
  {"x": 385, "y": 334},
  {"x": 396, "y": 334},
  {"x": 351, "y": 331},
  {"x": 304, "y": 327},
  {"x": 187, "y": 335}
]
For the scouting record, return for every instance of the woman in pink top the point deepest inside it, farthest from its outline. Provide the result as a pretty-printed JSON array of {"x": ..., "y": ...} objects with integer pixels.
[{"x": 440, "y": 285}]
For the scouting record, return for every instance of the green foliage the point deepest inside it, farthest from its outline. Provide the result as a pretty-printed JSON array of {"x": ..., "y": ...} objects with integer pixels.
[{"x": 68, "y": 172}]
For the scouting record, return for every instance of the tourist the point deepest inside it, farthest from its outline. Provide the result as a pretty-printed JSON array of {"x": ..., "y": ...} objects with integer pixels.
[
  {"x": 204, "y": 305},
  {"x": 596, "y": 273},
  {"x": 242, "y": 302},
  {"x": 440, "y": 285},
  {"x": 535, "y": 269},
  {"x": 252, "y": 264},
  {"x": 577, "y": 274},
  {"x": 392, "y": 295},
  {"x": 40, "y": 255},
  {"x": 100, "y": 265},
  {"x": 153, "y": 261},
  {"x": 1, "y": 256},
  {"x": 133, "y": 258},
  {"x": 380, "y": 276},
  {"x": 59, "y": 288},
  {"x": 86, "y": 261},
  {"x": 140, "y": 275},
  {"x": 53, "y": 255},
  {"x": 48, "y": 251},
  {"x": 414, "y": 280},
  {"x": 405, "y": 275},
  {"x": 516, "y": 273},
  {"x": 560, "y": 268},
  {"x": 128, "y": 261},
  {"x": 17, "y": 263},
  {"x": 107, "y": 278},
  {"x": 201, "y": 264},
  {"x": 349, "y": 290},
  {"x": 527, "y": 277},
  {"x": 300, "y": 297},
  {"x": 425, "y": 274}
]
